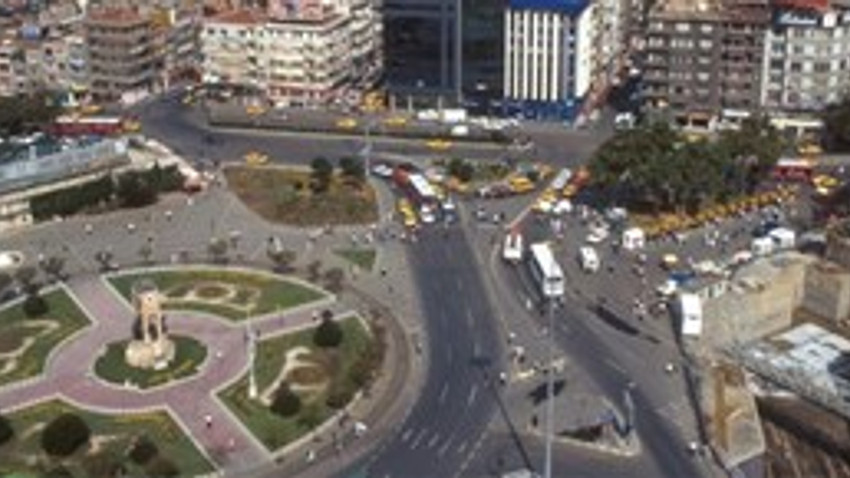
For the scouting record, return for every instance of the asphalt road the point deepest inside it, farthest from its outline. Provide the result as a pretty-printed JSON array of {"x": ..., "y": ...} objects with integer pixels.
[
  {"x": 184, "y": 129},
  {"x": 458, "y": 398}
]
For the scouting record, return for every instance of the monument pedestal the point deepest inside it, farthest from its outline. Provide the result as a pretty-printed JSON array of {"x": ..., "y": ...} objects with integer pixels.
[{"x": 147, "y": 355}]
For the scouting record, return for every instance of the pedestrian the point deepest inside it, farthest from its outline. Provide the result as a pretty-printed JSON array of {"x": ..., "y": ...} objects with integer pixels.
[
  {"x": 231, "y": 444},
  {"x": 208, "y": 420}
]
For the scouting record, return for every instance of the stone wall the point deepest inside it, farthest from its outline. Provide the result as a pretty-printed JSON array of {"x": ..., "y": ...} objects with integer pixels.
[{"x": 827, "y": 292}]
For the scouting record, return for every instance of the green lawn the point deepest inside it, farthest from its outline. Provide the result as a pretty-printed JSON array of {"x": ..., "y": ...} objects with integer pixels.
[
  {"x": 362, "y": 258},
  {"x": 13, "y": 321},
  {"x": 112, "y": 367},
  {"x": 274, "y": 293},
  {"x": 271, "y": 429},
  {"x": 16, "y": 456}
]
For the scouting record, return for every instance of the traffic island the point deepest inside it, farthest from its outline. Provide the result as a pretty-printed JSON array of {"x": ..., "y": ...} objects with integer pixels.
[
  {"x": 302, "y": 379},
  {"x": 306, "y": 197},
  {"x": 112, "y": 366},
  {"x": 53, "y": 438},
  {"x": 31, "y": 327},
  {"x": 231, "y": 294}
]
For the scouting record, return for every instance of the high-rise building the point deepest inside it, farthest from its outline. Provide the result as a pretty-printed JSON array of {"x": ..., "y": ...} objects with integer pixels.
[
  {"x": 704, "y": 57},
  {"x": 560, "y": 55},
  {"x": 300, "y": 53},
  {"x": 807, "y": 64}
]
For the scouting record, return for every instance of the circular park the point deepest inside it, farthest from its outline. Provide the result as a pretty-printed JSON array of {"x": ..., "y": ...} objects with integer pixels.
[{"x": 174, "y": 371}]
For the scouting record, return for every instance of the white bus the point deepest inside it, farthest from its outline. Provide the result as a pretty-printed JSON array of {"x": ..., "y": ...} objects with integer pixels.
[{"x": 546, "y": 270}]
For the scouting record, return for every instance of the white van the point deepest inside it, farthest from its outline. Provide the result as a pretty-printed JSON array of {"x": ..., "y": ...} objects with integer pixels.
[
  {"x": 589, "y": 259},
  {"x": 512, "y": 251}
]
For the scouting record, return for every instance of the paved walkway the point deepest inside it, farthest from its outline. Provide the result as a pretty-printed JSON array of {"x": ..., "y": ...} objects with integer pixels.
[{"x": 68, "y": 375}]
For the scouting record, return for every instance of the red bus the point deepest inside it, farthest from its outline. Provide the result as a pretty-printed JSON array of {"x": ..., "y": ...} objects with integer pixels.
[
  {"x": 91, "y": 125},
  {"x": 793, "y": 170}
]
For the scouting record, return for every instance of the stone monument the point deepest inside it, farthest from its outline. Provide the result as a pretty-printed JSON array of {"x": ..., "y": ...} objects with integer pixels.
[{"x": 153, "y": 350}]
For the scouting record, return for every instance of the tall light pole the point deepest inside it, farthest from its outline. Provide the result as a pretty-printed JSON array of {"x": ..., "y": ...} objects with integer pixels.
[
  {"x": 550, "y": 390},
  {"x": 459, "y": 52},
  {"x": 252, "y": 352}
]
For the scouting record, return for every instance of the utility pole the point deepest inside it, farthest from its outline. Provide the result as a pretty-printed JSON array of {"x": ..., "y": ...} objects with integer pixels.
[
  {"x": 550, "y": 390},
  {"x": 459, "y": 52}
]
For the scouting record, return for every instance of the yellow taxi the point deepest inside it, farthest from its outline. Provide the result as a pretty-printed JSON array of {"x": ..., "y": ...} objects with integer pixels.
[
  {"x": 91, "y": 109},
  {"x": 825, "y": 181},
  {"x": 396, "y": 121},
  {"x": 520, "y": 184},
  {"x": 569, "y": 191},
  {"x": 255, "y": 158},
  {"x": 404, "y": 206},
  {"x": 439, "y": 144},
  {"x": 132, "y": 126},
  {"x": 346, "y": 123},
  {"x": 189, "y": 99},
  {"x": 410, "y": 220},
  {"x": 810, "y": 149},
  {"x": 254, "y": 110}
]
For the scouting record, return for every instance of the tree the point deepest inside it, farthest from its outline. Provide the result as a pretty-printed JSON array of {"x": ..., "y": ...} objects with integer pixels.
[
  {"x": 328, "y": 334},
  {"x": 282, "y": 258},
  {"x": 836, "y": 119},
  {"x": 53, "y": 266},
  {"x": 334, "y": 279},
  {"x": 35, "y": 305},
  {"x": 25, "y": 277},
  {"x": 322, "y": 174},
  {"x": 286, "y": 403},
  {"x": 461, "y": 169},
  {"x": 352, "y": 168},
  {"x": 146, "y": 252},
  {"x": 162, "y": 467},
  {"x": 217, "y": 250},
  {"x": 104, "y": 259},
  {"x": 143, "y": 451},
  {"x": 64, "y": 435},
  {"x": 134, "y": 190},
  {"x": 6, "y": 430}
]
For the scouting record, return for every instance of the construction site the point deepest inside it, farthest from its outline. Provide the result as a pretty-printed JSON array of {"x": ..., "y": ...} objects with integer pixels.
[{"x": 774, "y": 380}]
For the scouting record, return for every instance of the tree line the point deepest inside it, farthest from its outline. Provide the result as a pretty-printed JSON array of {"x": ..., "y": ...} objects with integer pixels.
[
  {"x": 655, "y": 168},
  {"x": 130, "y": 189}
]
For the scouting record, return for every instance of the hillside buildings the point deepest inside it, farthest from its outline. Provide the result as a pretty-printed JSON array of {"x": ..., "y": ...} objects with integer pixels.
[
  {"x": 713, "y": 60},
  {"x": 308, "y": 53}
]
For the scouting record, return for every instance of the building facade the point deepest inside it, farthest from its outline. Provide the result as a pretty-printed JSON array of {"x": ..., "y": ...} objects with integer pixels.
[
  {"x": 807, "y": 56},
  {"x": 548, "y": 58},
  {"x": 305, "y": 54},
  {"x": 704, "y": 57},
  {"x": 135, "y": 50}
]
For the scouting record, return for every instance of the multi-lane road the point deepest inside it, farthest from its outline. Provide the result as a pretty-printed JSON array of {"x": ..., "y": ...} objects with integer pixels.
[
  {"x": 444, "y": 434},
  {"x": 457, "y": 402}
]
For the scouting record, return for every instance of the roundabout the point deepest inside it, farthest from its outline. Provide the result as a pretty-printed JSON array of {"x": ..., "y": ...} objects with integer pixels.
[{"x": 177, "y": 362}]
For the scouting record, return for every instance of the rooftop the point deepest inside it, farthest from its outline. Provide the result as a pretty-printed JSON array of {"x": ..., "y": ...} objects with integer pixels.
[
  {"x": 115, "y": 16},
  {"x": 712, "y": 10},
  {"x": 239, "y": 17}
]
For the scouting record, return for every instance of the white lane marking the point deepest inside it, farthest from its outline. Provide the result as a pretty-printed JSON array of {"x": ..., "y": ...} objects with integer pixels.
[
  {"x": 476, "y": 349},
  {"x": 449, "y": 355},
  {"x": 470, "y": 319},
  {"x": 418, "y": 439},
  {"x": 433, "y": 441},
  {"x": 472, "y": 394},
  {"x": 406, "y": 435},
  {"x": 615, "y": 366},
  {"x": 443, "y": 393},
  {"x": 443, "y": 449},
  {"x": 459, "y": 284},
  {"x": 462, "y": 447}
]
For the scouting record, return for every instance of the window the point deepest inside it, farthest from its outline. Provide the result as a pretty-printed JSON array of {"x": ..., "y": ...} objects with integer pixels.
[
  {"x": 683, "y": 27},
  {"x": 822, "y": 67},
  {"x": 706, "y": 28},
  {"x": 776, "y": 64},
  {"x": 705, "y": 44},
  {"x": 796, "y": 67}
]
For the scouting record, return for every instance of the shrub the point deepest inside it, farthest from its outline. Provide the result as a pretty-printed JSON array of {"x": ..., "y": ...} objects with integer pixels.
[
  {"x": 143, "y": 451},
  {"x": 103, "y": 464},
  {"x": 328, "y": 334},
  {"x": 6, "y": 430},
  {"x": 162, "y": 467},
  {"x": 35, "y": 305},
  {"x": 64, "y": 435},
  {"x": 59, "y": 472},
  {"x": 339, "y": 396},
  {"x": 286, "y": 403},
  {"x": 334, "y": 279}
]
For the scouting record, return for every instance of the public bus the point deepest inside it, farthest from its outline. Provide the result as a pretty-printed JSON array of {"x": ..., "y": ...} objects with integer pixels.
[
  {"x": 546, "y": 270},
  {"x": 793, "y": 170},
  {"x": 89, "y": 125}
]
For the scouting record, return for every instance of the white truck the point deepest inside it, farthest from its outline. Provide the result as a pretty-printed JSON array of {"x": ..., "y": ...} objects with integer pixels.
[{"x": 589, "y": 259}]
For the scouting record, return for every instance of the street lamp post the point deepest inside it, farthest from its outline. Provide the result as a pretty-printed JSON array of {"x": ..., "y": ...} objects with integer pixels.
[
  {"x": 550, "y": 390},
  {"x": 252, "y": 376}
]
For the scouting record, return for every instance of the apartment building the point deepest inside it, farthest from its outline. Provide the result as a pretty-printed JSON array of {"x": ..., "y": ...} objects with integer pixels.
[
  {"x": 302, "y": 54},
  {"x": 558, "y": 54},
  {"x": 32, "y": 58},
  {"x": 807, "y": 56},
  {"x": 136, "y": 49},
  {"x": 705, "y": 57}
]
